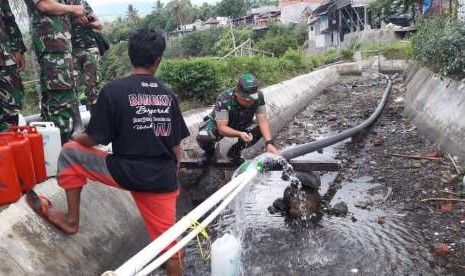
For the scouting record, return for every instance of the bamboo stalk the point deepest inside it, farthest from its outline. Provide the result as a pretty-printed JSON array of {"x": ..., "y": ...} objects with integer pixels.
[
  {"x": 442, "y": 199},
  {"x": 415, "y": 157}
]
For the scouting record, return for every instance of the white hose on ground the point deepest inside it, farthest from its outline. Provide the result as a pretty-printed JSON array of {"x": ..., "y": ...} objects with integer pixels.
[
  {"x": 163, "y": 258},
  {"x": 141, "y": 259}
]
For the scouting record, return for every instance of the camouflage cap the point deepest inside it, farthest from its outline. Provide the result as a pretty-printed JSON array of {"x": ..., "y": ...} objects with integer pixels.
[{"x": 247, "y": 85}]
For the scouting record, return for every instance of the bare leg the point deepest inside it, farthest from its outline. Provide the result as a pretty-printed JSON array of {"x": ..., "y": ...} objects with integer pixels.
[
  {"x": 68, "y": 222},
  {"x": 173, "y": 267}
]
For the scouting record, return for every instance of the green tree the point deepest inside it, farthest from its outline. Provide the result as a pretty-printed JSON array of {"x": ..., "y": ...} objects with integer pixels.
[
  {"x": 382, "y": 9},
  {"x": 204, "y": 11},
  {"x": 232, "y": 8},
  {"x": 280, "y": 38},
  {"x": 158, "y": 6},
  {"x": 117, "y": 30},
  {"x": 181, "y": 10},
  {"x": 158, "y": 19},
  {"x": 132, "y": 14},
  {"x": 224, "y": 44}
]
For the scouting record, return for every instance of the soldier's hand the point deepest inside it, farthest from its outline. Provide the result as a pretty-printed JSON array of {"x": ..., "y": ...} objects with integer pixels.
[
  {"x": 271, "y": 149},
  {"x": 19, "y": 59},
  {"x": 77, "y": 10},
  {"x": 82, "y": 20},
  {"x": 246, "y": 137}
]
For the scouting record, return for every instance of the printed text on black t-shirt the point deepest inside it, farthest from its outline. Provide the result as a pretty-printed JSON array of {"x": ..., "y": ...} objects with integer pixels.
[{"x": 148, "y": 109}]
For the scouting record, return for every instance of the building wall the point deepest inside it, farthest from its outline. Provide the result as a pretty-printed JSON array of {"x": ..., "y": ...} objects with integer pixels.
[
  {"x": 318, "y": 42},
  {"x": 367, "y": 36},
  {"x": 283, "y": 3}
]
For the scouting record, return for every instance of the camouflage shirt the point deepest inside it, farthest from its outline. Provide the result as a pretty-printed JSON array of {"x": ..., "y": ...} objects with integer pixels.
[
  {"x": 82, "y": 36},
  {"x": 238, "y": 117},
  {"x": 10, "y": 36},
  {"x": 49, "y": 33}
]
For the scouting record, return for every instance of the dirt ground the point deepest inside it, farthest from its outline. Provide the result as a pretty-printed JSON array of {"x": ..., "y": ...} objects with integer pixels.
[{"x": 395, "y": 154}]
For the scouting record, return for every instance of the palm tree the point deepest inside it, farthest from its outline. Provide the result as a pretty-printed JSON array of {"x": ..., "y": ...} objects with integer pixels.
[
  {"x": 158, "y": 6},
  {"x": 181, "y": 10},
  {"x": 132, "y": 14}
]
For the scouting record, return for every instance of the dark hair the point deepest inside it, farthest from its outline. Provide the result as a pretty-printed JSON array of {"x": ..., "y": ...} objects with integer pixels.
[{"x": 145, "y": 46}]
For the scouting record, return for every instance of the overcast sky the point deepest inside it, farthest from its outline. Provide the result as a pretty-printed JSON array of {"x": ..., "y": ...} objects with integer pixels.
[{"x": 103, "y": 2}]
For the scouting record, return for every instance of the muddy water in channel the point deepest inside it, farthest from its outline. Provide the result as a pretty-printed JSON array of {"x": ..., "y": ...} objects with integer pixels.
[{"x": 373, "y": 239}]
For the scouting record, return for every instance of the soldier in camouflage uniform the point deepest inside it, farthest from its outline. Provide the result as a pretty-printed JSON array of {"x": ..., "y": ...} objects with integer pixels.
[
  {"x": 51, "y": 37},
  {"x": 11, "y": 60},
  {"x": 233, "y": 116},
  {"x": 86, "y": 54}
]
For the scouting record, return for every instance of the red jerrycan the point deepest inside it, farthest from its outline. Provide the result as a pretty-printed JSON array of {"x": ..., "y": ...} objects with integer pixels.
[
  {"x": 23, "y": 159},
  {"x": 10, "y": 191},
  {"x": 37, "y": 147}
]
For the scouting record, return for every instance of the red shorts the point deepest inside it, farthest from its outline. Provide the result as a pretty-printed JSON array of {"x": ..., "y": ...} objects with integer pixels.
[{"x": 78, "y": 164}]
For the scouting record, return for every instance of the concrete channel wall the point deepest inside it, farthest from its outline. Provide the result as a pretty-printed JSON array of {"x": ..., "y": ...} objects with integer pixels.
[
  {"x": 111, "y": 230},
  {"x": 437, "y": 106}
]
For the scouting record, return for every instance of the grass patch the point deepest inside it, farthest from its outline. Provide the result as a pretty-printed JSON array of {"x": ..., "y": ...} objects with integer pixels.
[{"x": 401, "y": 49}]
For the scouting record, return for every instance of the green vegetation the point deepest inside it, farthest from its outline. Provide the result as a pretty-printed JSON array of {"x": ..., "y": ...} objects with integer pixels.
[
  {"x": 279, "y": 38},
  {"x": 219, "y": 41},
  {"x": 199, "y": 80},
  {"x": 347, "y": 54},
  {"x": 382, "y": 9},
  {"x": 439, "y": 44},
  {"x": 215, "y": 42},
  {"x": 115, "y": 63},
  {"x": 193, "y": 79},
  {"x": 395, "y": 50}
]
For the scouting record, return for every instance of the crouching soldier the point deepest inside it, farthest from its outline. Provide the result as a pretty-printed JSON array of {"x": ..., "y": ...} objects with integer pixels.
[{"x": 233, "y": 116}]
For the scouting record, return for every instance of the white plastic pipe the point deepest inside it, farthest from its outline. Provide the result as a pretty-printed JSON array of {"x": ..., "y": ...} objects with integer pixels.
[
  {"x": 141, "y": 259},
  {"x": 163, "y": 258}
]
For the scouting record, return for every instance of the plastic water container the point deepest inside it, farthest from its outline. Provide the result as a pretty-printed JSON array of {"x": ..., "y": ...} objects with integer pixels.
[
  {"x": 21, "y": 120},
  {"x": 22, "y": 158},
  {"x": 226, "y": 254},
  {"x": 10, "y": 191},
  {"x": 37, "y": 147},
  {"x": 52, "y": 145}
]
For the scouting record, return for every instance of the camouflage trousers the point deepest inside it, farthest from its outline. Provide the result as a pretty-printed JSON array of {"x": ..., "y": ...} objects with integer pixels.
[
  {"x": 58, "y": 90},
  {"x": 208, "y": 137},
  {"x": 86, "y": 73},
  {"x": 11, "y": 94}
]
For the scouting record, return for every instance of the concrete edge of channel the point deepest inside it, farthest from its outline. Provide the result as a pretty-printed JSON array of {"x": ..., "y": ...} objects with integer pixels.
[{"x": 437, "y": 107}]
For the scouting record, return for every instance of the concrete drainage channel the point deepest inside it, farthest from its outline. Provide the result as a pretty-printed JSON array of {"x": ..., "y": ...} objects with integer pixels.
[
  {"x": 111, "y": 229},
  {"x": 373, "y": 238}
]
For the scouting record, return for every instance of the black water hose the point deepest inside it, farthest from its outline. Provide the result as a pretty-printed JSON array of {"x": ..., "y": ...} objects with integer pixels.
[{"x": 303, "y": 149}]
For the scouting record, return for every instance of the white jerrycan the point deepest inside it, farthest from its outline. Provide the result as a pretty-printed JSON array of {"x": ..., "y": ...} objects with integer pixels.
[
  {"x": 226, "y": 254},
  {"x": 52, "y": 145}
]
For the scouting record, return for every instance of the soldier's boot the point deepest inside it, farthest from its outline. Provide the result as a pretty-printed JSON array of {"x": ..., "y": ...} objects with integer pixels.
[
  {"x": 234, "y": 153},
  {"x": 208, "y": 146},
  {"x": 206, "y": 158},
  {"x": 77, "y": 122}
]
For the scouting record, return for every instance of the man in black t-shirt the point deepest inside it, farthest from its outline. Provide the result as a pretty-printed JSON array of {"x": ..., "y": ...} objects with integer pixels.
[{"x": 141, "y": 117}]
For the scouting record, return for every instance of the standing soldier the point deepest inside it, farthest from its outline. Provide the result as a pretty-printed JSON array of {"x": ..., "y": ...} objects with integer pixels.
[
  {"x": 11, "y": 60},
  {"x": 86, "y": 53},
  {"x": 51, "y": 37}
]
